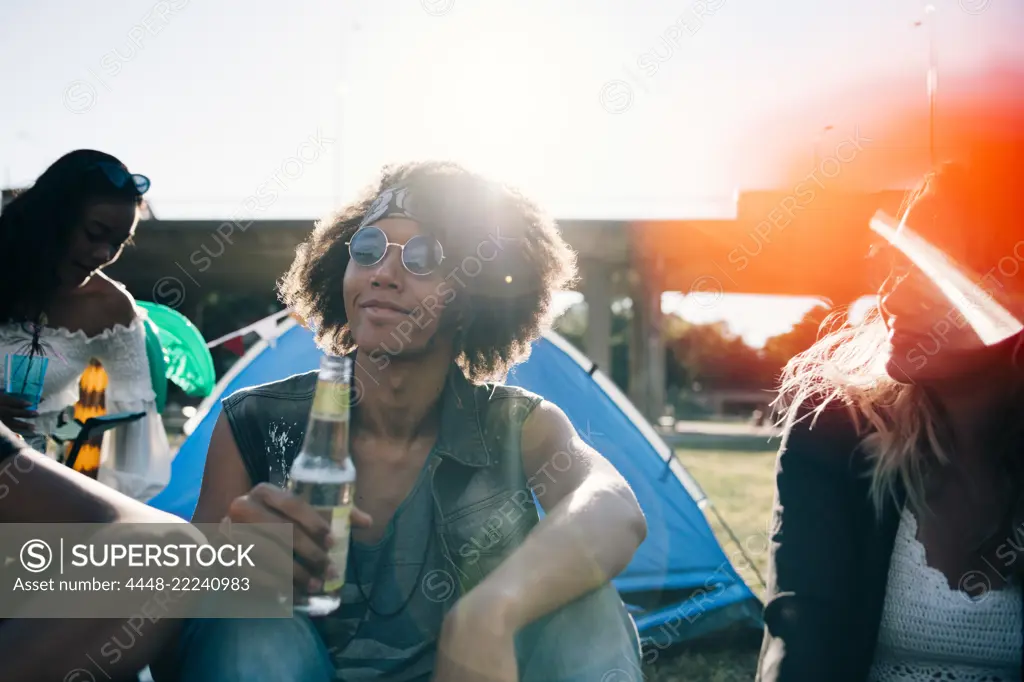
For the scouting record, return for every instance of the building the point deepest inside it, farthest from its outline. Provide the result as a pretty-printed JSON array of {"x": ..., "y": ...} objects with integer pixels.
[{"x": 778, "y": 244}]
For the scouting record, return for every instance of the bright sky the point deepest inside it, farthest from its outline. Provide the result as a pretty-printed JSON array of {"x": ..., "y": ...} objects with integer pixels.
[{"x": 599, "y": 108}]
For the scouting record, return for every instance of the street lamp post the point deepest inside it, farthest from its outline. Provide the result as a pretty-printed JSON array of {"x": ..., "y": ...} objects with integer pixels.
[{"x": 933, "y": 77}]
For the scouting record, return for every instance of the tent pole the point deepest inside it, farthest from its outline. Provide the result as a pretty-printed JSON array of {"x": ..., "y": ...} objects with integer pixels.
[{"x": 743, "y": 551}]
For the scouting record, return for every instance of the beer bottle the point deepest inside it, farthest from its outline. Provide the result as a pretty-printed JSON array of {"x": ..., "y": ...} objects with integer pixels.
[{"x": 323, "y": 473}]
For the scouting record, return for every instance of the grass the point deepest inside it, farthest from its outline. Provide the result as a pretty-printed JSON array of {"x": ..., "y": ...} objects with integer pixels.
[{"x": 741, "y": 485}]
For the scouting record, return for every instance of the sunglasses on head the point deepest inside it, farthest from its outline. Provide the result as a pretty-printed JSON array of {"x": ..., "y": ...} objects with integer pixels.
[
  {"x": 120, "y": 177},
  {"x": 421, "y": 255}
]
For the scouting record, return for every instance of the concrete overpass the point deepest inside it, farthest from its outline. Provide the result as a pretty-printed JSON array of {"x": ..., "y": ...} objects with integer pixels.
[{"x": 778, "y": 244}]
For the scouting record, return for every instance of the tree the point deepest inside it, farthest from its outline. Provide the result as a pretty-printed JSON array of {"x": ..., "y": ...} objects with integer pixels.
[
  {"x": 714, "y": 357},
  {"x": 699, "y": 357},
  {"x": 780, "y": 348}
]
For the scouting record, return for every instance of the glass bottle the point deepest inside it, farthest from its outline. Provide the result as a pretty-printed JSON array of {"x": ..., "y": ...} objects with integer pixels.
[{"x": 324, "y": 476}]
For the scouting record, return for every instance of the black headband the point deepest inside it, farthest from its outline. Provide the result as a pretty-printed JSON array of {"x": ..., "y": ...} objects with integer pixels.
[{"x": 395, "y": 202}]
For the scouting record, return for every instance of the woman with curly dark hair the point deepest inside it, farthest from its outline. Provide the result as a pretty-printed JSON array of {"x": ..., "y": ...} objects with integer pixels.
[
  {"x": 59, "y": 311},
  {"x": 436, "y": 282}
]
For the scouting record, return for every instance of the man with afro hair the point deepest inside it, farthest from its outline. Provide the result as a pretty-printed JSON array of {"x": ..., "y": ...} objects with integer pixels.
[{"x": 435, "y": 281}]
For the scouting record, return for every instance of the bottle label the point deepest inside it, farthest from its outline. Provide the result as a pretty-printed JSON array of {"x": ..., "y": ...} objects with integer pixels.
[
  {"x": 331, "y": 401},
  {"x": 339, "y": 520}
]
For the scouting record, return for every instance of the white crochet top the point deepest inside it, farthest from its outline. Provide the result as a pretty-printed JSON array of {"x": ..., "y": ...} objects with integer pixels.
[
  {"x": 931, "y": 632},
  {"x": 135, "y": 457}
]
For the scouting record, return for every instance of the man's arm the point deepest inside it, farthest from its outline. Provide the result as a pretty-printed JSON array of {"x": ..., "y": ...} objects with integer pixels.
[
  {"x": 36, "y": 489},
  {"x": 592, "y": 527},
  {"x": 224, "y": 479}
]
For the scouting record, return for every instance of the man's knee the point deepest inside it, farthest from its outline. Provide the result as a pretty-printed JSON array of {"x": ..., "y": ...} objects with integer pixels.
[
  {"x": 591, "y": 636},
  {"x": 255, "y": 649}
]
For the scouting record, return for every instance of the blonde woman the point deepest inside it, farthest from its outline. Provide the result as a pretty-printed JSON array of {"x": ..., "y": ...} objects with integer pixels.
[{"x": 897, "y": 526}]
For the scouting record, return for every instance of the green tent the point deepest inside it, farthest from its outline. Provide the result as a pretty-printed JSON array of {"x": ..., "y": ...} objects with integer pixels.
[{"x": 177, "y": 352}]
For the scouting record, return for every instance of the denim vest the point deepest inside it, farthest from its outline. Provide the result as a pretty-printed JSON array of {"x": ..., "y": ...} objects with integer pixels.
[{"x": 483, "y": 502}]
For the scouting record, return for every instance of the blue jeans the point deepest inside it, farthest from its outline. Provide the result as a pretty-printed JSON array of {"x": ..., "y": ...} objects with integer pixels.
[{"x": 592, "y": 639}]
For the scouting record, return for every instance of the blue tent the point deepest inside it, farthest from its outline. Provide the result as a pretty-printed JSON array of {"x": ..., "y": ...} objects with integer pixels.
[{"x": 680, "y": 584}]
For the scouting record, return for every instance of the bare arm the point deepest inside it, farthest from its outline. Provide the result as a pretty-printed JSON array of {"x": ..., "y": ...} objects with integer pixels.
[
  {"x": 224, "y": 478},
  {"x": 592, "y": 528},
  {"x": 36, "y": 489}
]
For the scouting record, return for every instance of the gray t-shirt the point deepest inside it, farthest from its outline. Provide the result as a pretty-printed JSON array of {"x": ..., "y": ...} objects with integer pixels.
[{"x": 404, "y": 577}]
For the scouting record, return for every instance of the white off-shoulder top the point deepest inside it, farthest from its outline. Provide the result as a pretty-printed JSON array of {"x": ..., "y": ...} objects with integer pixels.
[{"x": 135, "y": 458}]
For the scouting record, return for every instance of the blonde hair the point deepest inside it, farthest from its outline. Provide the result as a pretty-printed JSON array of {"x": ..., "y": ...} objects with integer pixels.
[
  {"x": 903, "y": 433},
  {"x": 900, "y": 424},
  {"x": 972, "y": 207}
]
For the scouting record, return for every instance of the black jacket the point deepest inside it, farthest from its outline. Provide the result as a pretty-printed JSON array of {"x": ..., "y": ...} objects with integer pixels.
[{"x": 828, "y": 558}]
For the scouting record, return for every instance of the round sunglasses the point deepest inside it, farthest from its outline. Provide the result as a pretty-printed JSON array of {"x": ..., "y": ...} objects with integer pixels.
[
  {"x": 120, "y": 177},
  {"x": 421, "y": 255}
]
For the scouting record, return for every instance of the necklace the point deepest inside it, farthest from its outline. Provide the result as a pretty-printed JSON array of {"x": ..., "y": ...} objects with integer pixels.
[{"x": 368, "y": 599}]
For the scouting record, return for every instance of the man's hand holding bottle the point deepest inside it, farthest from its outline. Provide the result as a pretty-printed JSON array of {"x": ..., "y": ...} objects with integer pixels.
[{"x": 312, "y": 539}]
